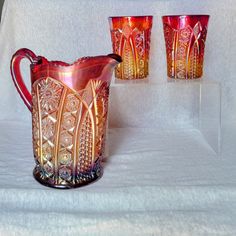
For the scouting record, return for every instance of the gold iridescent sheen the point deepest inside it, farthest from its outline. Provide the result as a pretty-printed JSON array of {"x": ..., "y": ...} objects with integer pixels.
[
  {"x": 69, "y": 105},
  {"x": 68, "y": 129},
  {"x": 185, "y": 38},
  {"x": 131, "y": 40}
]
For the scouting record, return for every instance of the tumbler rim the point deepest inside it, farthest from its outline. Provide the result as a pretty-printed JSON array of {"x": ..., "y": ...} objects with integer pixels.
[
  {"x": 185, "y": 15},
  {"x": 128, "y": 16}
]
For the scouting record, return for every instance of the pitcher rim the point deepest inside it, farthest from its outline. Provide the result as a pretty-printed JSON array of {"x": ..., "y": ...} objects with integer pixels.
[{"x": 43, "y": 61}]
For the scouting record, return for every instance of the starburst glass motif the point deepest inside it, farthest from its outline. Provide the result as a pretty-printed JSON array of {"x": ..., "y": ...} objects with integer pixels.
[
  {"x": 47, "y": 128},
  {"x": 66, "y": 139},
  {"x": 47, "y": 151},
  {"x": 68, "y": 121},
  {"x": 72, "y": 103},
  {"x": 49, "y": 94},
  {"x": 65, "y": 157}
]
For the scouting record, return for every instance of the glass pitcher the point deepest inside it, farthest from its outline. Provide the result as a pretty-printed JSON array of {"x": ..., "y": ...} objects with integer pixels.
[{"x": 69, "y": 105}]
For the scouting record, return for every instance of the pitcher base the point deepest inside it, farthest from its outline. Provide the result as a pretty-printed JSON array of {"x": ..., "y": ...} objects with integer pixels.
[{"x": 79, "y": 181}]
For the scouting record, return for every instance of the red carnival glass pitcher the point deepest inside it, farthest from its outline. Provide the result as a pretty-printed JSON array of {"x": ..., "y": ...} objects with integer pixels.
[{"x": 69, "y": 105}]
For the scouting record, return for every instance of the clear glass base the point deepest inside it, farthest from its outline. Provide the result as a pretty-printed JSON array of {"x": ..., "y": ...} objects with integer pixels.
[{"x": 176, "y": 105}]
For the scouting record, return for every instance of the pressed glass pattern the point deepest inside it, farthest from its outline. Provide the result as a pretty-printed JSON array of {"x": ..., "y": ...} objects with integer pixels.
[
  {"x": 185, "y": 38},
  {"x": 131, "y": 37},
  {"x": 69, "y": 115}
]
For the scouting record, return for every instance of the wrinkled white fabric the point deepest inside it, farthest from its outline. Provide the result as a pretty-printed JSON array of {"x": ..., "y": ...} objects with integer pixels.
[
  {"x": 162, "y": 176},
  {"x": 168, "y": 183}
]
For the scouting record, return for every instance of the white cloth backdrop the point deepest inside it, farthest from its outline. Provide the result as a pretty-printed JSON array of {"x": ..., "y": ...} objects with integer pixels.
[
  {"x": 66, "y": 30},
  {"x": 168, "y": 183}
]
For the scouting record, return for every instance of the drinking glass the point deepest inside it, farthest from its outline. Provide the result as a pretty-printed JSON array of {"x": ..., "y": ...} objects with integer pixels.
[
  {"x": 185, "y": 37},
  {"x": 131, "y": 36}
]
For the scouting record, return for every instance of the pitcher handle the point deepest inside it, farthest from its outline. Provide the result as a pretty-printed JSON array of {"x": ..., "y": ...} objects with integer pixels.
[{"x": 17, "y": 77}]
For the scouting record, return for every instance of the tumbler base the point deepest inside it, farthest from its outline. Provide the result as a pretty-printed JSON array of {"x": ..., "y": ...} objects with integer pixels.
[{"x": 79, "y": 181}]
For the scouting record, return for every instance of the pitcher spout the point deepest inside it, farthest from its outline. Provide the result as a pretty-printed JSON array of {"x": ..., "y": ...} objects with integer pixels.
[
  {"x": 91, "y": 68},
  {"x": 115, "y": 59},
  {"x": 104, "y": 69}
]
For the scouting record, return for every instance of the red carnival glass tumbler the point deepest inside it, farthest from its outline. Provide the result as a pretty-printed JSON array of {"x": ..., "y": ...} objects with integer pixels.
[
  {"x": 185, "y": 37},
  {"x": 131, "y": 36},
  {"x": 69, "y": 105}
]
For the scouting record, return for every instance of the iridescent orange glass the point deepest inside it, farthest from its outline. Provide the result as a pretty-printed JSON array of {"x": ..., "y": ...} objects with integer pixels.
[
  {"x": 185, "y": 37},
  {"x": 69, "y": 105},
  {"x": 131, "y": 36}
]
